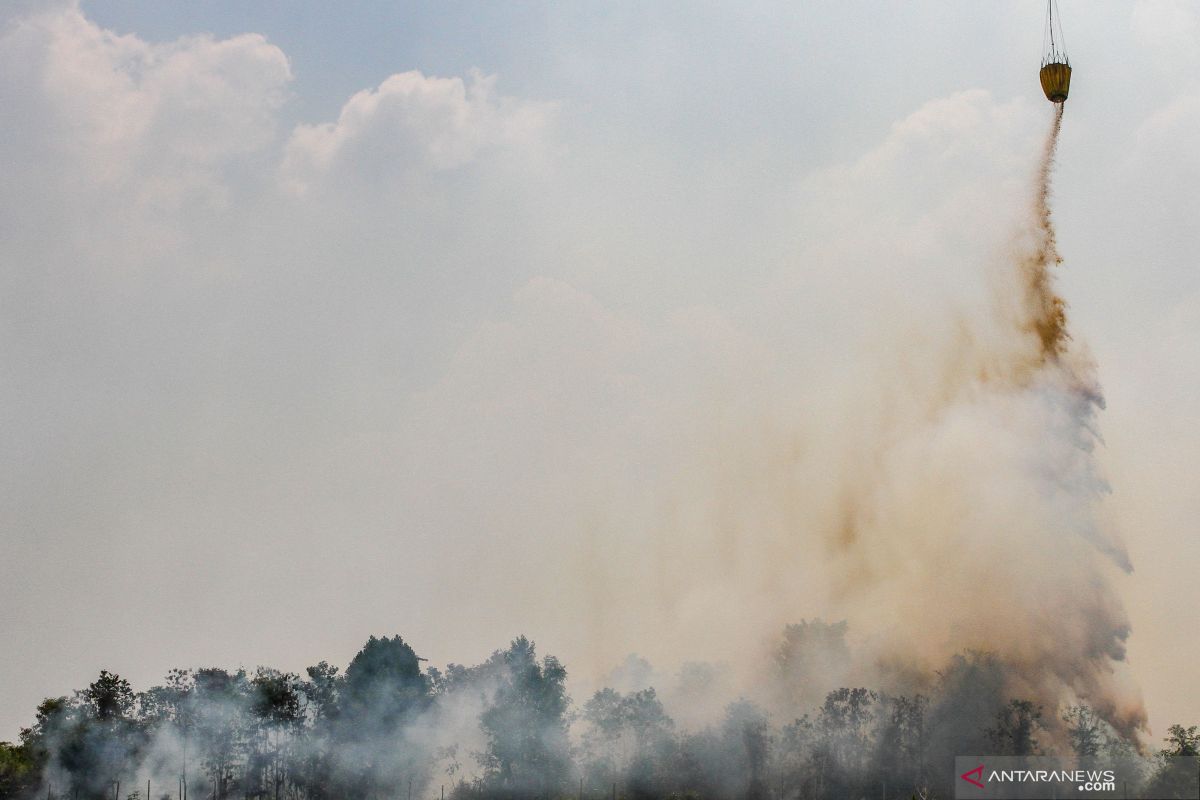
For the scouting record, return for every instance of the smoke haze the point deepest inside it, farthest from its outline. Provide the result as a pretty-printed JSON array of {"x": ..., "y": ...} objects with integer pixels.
[
  {"x": 950, "y": 504},
  {"x": 469, "y": 357}
]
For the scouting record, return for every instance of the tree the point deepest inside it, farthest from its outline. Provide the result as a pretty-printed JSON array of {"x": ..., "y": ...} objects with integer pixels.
[
  {"x": 170, "y": 708},
  {"x": 628, "y": 738},
  {"x": 275, "y": 704},
  {"x": 383, "y": 685},
  {"x": 1178, "y": 763},
  {"x": 383, "y": 690},
  {"x": 812, "y": 658},
  {"x": 794, "y": 758},
  {"x": 1016, "y": 729},
  {"x": 902, "y": 743},
  {"x": 653, "y": 743},
  {"x": 963, "y": 705},
  {"x": 94, "y": 737},
  {"x": 526, "y": 722},
  {"x": 746, "y": 734},
  {"x": 602, "y": 739},
  {"x": 844, "y": 728},
  {"x": 321, "y": 691},
  {"x": 20, "y": 769},
  {"x": 22, "y": 765},
  {"x": 1182, "y": 741},
  {"x": 109, "y": 697},
  {"x": 216, "y": 707},
  {"x": 1085, "y": 731}
]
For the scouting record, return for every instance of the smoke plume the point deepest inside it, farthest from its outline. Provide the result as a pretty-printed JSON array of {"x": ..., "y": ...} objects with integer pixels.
[
  {"x": 941, "y": 495},
  {"x": 940, "y": 508},
  {"x": 971, "y": 520}
]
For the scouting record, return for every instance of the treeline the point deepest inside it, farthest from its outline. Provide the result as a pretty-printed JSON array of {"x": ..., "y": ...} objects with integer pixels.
[{"x": 506, "y": 728}]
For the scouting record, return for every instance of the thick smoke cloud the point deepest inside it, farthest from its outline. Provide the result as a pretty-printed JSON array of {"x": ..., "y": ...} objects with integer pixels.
[
  {"x": 989, "y": 497},
  {"x": 955, "y": 506},
  {"x": 238, "y": 349}
]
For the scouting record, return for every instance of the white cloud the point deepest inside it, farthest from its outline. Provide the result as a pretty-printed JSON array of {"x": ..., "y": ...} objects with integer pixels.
[
  {"x": 148, "y": 124},
  {"x": 415, "y": 121},
  {"x": 14, "y": 10}
]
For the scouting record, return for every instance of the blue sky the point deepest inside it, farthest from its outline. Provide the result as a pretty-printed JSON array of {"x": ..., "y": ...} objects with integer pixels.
[{"x": 757, "y": 70}]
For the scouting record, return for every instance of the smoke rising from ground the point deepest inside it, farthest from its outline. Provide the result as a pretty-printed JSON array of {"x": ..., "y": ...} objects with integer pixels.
[
  {"x": 606, "y": 480},
  {"x": 946, "y": 501},
  {"x": 944, "y": 505},
  {"x": 971, "y": 520},
  {"x": 1035, "y": 566}
]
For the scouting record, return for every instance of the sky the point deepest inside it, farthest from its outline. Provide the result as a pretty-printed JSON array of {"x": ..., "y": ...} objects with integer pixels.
[{"x": 430, "y": 318}]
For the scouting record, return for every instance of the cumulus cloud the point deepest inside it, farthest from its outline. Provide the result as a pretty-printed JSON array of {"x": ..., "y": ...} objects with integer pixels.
[
  {"x": 414, "y": 121},
  {"x": 154, "y": 122}
]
